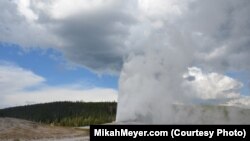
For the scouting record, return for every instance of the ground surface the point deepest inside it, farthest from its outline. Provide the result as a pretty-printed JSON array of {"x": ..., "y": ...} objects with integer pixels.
[{"x": 21, "y": 130}]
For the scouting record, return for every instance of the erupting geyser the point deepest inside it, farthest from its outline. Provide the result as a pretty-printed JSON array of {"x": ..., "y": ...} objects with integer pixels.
[{"x": 185, "y": 50}]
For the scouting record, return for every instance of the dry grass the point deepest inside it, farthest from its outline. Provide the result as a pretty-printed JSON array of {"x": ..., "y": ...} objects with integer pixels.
[{"x": 17, "y": 130}]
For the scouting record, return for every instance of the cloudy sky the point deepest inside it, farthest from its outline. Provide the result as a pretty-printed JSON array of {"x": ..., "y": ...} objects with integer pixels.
[{"x": 52, "y": 50}]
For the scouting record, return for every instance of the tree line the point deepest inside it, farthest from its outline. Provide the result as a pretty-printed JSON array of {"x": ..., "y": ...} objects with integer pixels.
[{"x": 65, "y": 113}]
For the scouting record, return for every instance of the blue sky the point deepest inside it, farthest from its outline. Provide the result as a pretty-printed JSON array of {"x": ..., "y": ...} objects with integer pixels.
[
  {"x": 49, "y": 78},
  {"x": 50, "y": 64},
  {"x": 243, "y": 77},
  {"x": 57, "y": 50}
]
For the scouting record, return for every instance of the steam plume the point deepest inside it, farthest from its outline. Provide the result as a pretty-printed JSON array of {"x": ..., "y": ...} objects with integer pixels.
[{"x": 185, "y": 51}]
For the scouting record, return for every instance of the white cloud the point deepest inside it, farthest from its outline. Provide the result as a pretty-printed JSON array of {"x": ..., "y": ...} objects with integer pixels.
[
  {"x": 25, "y": 10},
  {"x": 90, "y": 33},
  {"x": 212, "y": 85},
  {"x": 243, "y": 102},
  {"x": 99, "y": 34},
  {"x": 15, "y": 84},
  {"x": 103, "y": 33},
  {"x": 61, "y": 9},
  {"x": 18, "y": 26},
  {"x": 14, "y": 78},
  {"x": 162, "y": 39},
  {"x": 162, "y": 8},
  {"x": 51, "y": 94}
]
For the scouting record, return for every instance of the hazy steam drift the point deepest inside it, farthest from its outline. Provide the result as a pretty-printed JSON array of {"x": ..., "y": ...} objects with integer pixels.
[{"x": 186, "y": 48}]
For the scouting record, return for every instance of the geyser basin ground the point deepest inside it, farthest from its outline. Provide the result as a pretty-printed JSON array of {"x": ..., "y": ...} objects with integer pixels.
[{"x": 194, "y": 114}]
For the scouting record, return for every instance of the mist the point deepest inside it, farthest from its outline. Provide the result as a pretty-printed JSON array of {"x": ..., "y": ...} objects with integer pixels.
[
  {"x": 177, "y": 74},
  {"x": 178, "y": 61}
]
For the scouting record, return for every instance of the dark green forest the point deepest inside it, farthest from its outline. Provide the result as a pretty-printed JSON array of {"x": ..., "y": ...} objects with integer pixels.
[{"x": 65, "y": 113}]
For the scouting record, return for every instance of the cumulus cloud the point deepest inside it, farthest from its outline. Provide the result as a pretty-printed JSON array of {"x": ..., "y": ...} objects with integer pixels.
[
  {"x": 152, "y": 42},
  {"x": 20, "y": 86},
  {"x": 89, "y": 33},
  {"x": 212, "y": 85},
  {"x": 243, "y": 102},
  {"x": 52, "y": 94},
  {"x": 223, "y": 42},
  {"x": 207, "y": 34},
  {"x": 14, "y": 78},
  {"x": 100, "y": 34},
  {"x": 18, "y": 26}
]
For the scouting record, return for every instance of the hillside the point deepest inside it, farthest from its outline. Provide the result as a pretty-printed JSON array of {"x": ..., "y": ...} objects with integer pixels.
[{"x": 64, "y": 113}]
